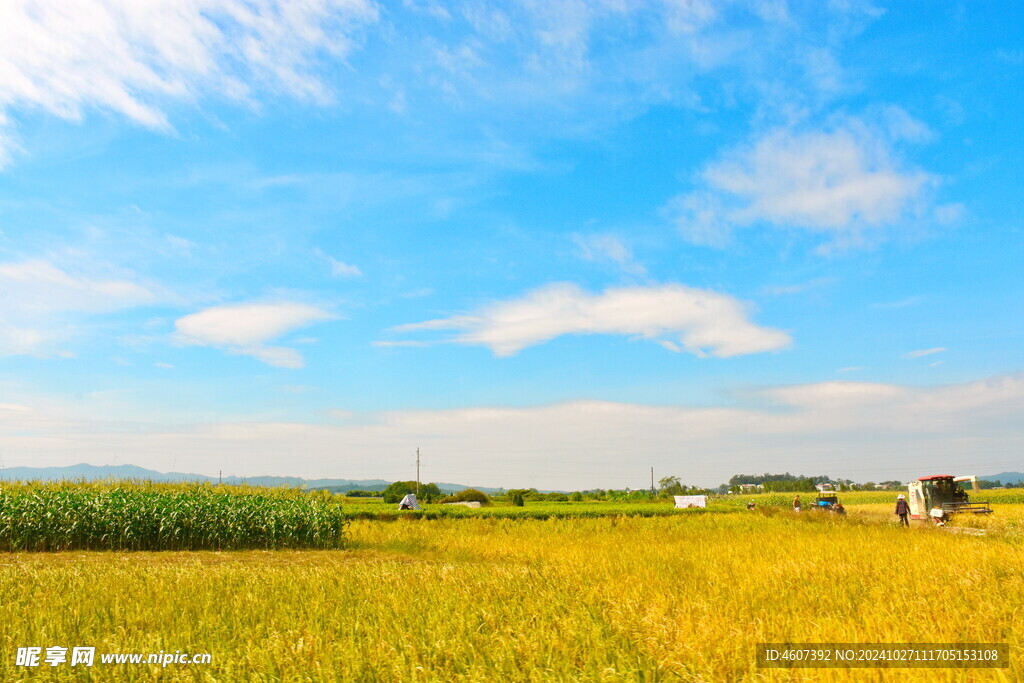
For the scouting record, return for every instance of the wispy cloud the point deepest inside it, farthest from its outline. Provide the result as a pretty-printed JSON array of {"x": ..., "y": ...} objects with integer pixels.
[
  {"x": 339, "y": 268},
  {"x": 594, "y": 63},
  {"x": 839, "y": 181},
  {"x": 901, "y": 303},
  {"x": 246, "y": 328},
  {"x": 798, "y": 288},
  {"x": 681, "y": 318},
  {"x": 1012, "y": 57},
  {"x": 41, "y": 286},
  {"x": 608, "y": 249},
  {"x": 342, "y": 269},
  {"x": 947, "y": 214},
  {"x": 38, "y": 297},
  {"x": 400, "y": 344},
  {"x": 924, "y": 352},
  {"x": 133, "y": 57}
]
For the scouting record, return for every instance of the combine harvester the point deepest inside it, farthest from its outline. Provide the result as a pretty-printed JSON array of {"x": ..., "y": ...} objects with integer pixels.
[
  {"x": 941, "y": 496},
  {"x": 828, "y": 500}
]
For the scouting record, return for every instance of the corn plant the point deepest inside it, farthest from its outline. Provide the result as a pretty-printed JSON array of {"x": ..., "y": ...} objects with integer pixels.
[{"x": 149, "y": 516}]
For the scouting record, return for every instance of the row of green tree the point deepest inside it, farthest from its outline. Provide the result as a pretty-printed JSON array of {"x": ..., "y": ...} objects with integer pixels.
[
  {"x": 797, "y": 483},
  {"x": 431, "y": 493},
  {"x": 996, "y": 484}
]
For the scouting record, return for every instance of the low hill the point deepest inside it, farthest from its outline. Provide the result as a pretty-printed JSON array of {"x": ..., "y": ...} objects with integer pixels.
[{"x": 94, "y": 472}]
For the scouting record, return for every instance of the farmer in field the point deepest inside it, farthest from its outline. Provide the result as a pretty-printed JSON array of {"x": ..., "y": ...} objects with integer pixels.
[
  {"x": 750, "y": 505},
  {"x": 796, "y": 504},
  {"x": 902, "y": 509}
]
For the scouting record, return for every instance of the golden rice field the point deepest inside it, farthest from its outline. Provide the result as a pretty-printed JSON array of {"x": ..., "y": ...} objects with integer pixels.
[{"x": 487, "y": 599}]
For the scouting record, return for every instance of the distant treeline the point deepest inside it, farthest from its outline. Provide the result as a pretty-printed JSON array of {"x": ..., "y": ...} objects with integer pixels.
[
  {"x": 782, "y": 482},
  {"x": 771, "y": 483},
  {"x": 431, "y": 493},
  {"x": 667, "y": 486},
  {"x": 996, "y": 484},
  {"x": 737, "y": 479}
]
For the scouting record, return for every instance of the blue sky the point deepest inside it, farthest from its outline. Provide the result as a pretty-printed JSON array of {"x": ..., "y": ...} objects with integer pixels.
[{"x": 550, "y": 243}]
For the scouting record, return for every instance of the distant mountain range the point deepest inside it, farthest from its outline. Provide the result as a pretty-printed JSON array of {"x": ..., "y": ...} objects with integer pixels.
[
  {"x": 94, "y": 472},
  {"x": 1004, "y": 477}
]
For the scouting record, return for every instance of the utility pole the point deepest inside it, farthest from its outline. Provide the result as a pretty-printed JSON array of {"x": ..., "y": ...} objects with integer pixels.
[
  {"x": 220, "y": 477},
  {"x": 652, "y": 481},
  {"x": 417, "y": 472}
]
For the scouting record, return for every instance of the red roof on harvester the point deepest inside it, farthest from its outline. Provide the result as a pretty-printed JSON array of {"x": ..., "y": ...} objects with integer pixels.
[{"x": 936, "y": 476}]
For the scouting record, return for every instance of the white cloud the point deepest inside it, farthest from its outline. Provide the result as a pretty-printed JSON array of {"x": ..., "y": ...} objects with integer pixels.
[
  {"x": 697, "y": 321},
  {"x": 924, "y": 352},
  {"x": 133, "y": 56},
  {"x": 38, "y": 297},
  {"x": 246, "y": 328},
  {"x": 830, "y": 181},
  {"x": 841, "y": 181},
  {"x": 862, "y": 431},
  {"x": 608, "y": 248}
]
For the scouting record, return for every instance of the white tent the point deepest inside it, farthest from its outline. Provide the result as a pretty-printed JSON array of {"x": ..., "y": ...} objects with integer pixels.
[
  {"x": 409, "y": 502},
  {"x": 691, "y": 501}
]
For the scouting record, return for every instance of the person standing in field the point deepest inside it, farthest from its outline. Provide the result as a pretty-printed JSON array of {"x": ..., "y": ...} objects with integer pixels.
[
  {"x": 750, "y": 505},
  {"x": 902, "y": 509},
  {"x": 796, "y": 504}
]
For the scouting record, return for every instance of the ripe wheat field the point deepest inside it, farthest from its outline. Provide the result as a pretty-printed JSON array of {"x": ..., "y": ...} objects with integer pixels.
[{"x": 683, "y": 597}]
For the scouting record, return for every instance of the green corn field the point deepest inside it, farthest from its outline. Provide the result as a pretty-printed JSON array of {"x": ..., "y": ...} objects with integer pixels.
[{"x": 151, "y": 516}]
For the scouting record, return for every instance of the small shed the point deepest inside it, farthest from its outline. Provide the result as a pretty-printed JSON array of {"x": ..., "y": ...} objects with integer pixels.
[{"x": 409, "y": 502}]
